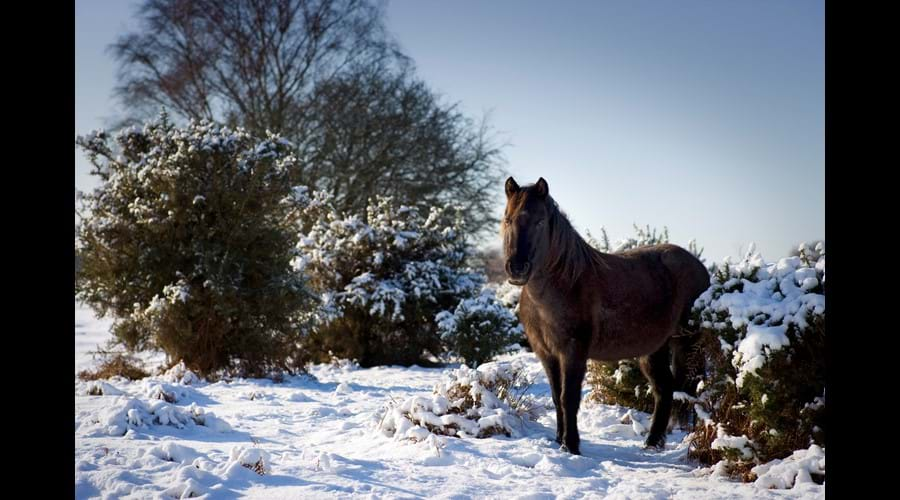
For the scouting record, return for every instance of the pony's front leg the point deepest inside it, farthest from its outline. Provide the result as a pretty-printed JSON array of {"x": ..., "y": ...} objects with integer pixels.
[
  {"x": 554, "y": 377},
  {"x": 574, "y": 366}
]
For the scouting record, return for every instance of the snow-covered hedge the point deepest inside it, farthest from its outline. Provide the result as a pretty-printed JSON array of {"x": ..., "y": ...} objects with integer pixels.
[
  {"x": 187, "y": 242},
  {"x": 763, "y": 393},
  {"x": 384, "y": 280},
  {"x": 482, "y": 402}
]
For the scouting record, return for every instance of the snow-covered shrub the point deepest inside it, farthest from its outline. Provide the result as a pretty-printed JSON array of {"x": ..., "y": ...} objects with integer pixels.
[
  {"x": 508, "y": 381},
  {"x": 188, "y": 241},
  {"x": 489, "y": 400},
  {"x": 810, "y": 252},
  {"x": 255, "y": 459},
  {"x": 621, "y": 382},
  {"x": 343, "y": 365},
  {"x": 479, "y": 328},
  {"x": 101, "y": 388},
  {"x": 802, "y": 466},
  {"x": 173, "y": 452},
  {"x": 763, "y": 392},
  {"x": 509, "y": 295},
  {"x": 180, "y": 374},
  {"x": 132, "y": 413},
  {"x": 382, "y": 279}
]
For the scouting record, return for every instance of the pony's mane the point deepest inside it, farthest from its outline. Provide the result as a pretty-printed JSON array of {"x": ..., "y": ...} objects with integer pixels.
[{"x": 569, "y": 254}]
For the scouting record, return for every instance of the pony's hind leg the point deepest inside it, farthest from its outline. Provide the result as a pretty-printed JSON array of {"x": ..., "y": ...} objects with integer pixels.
[{"x": 656, "y": 368}]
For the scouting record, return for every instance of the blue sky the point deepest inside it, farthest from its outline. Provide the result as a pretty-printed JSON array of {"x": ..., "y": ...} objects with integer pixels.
[{"x": 706, "y": 117}]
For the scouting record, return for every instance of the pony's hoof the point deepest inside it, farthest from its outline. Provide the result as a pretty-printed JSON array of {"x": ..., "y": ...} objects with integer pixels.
[
  {"x": 655, "y": 443},
  {"x": 573, "y": 450}
]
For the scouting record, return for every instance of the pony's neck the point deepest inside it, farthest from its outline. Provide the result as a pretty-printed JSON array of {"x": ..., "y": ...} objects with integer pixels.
[{"x": 569, "y": 256}]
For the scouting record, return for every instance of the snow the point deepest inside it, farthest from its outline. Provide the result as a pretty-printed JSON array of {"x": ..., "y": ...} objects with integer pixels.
[
  {"x": 753, "y": 346},
  {"x": 762, "y": 301},
  {"x": 792, "y": 472},
  {"x": 91, "y": 333},
  {"x": 318, "y": 437},
  {"x": 724, "y": 441}
]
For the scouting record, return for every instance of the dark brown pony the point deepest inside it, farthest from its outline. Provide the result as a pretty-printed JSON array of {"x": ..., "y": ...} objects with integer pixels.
[{"x": 578, "y": 304}]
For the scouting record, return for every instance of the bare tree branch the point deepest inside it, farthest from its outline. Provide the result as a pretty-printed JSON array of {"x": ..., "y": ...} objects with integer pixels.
[{"x": 325, "y": 74}]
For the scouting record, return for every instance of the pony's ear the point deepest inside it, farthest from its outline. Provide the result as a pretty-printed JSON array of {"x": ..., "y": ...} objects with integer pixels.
[
  {"x": 541, "y": 188},
  {"x": 511, "y": 187}
]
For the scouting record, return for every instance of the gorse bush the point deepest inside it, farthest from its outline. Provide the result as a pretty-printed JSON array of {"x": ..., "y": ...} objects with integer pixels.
[
  {"x": 508, "y": 296},
  {"x": 383, "y": 280},
  {"x": 620, "y": 383},
  {"x": 642, "y": 237},
  {"x": 479, "y": 328},
  {"x": 188, "y": 242},
  {"x": 763, "y": 393},
  {"x": 197, "y": 243}
]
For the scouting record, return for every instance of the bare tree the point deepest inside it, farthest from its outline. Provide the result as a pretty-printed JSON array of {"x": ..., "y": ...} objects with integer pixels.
[
  {"x": 253, "y": 62},
  {"x": 324, "y": 74},
  {"x": 384, "y": 132}
]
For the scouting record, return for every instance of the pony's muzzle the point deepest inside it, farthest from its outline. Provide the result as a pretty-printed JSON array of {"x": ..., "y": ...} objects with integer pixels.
[{"x": 518, "y": 271}]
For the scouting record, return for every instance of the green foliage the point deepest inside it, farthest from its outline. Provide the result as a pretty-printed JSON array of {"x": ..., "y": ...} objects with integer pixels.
[
  {"x": 765, "y": 377},
  {"x": 187, "y": 243},
  {"x": 384, "y": 279},
  {"x": 619, "y": 383},
  {"x": 479, "y": 328}
]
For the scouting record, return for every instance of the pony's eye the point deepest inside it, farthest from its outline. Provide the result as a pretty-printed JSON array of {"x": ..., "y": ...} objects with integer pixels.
[{"x": 540, "y": 223}]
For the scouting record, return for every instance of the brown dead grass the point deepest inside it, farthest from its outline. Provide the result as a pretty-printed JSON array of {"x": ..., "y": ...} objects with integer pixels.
[{"x": 115, "y": 364}]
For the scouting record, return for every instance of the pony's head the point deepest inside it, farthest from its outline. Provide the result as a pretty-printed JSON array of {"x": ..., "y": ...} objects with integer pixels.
[{"x": 525, "y": 229}]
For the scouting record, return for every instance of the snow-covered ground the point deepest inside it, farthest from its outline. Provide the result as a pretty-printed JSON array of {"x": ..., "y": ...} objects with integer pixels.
[{"x": 320, "y": 438}]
